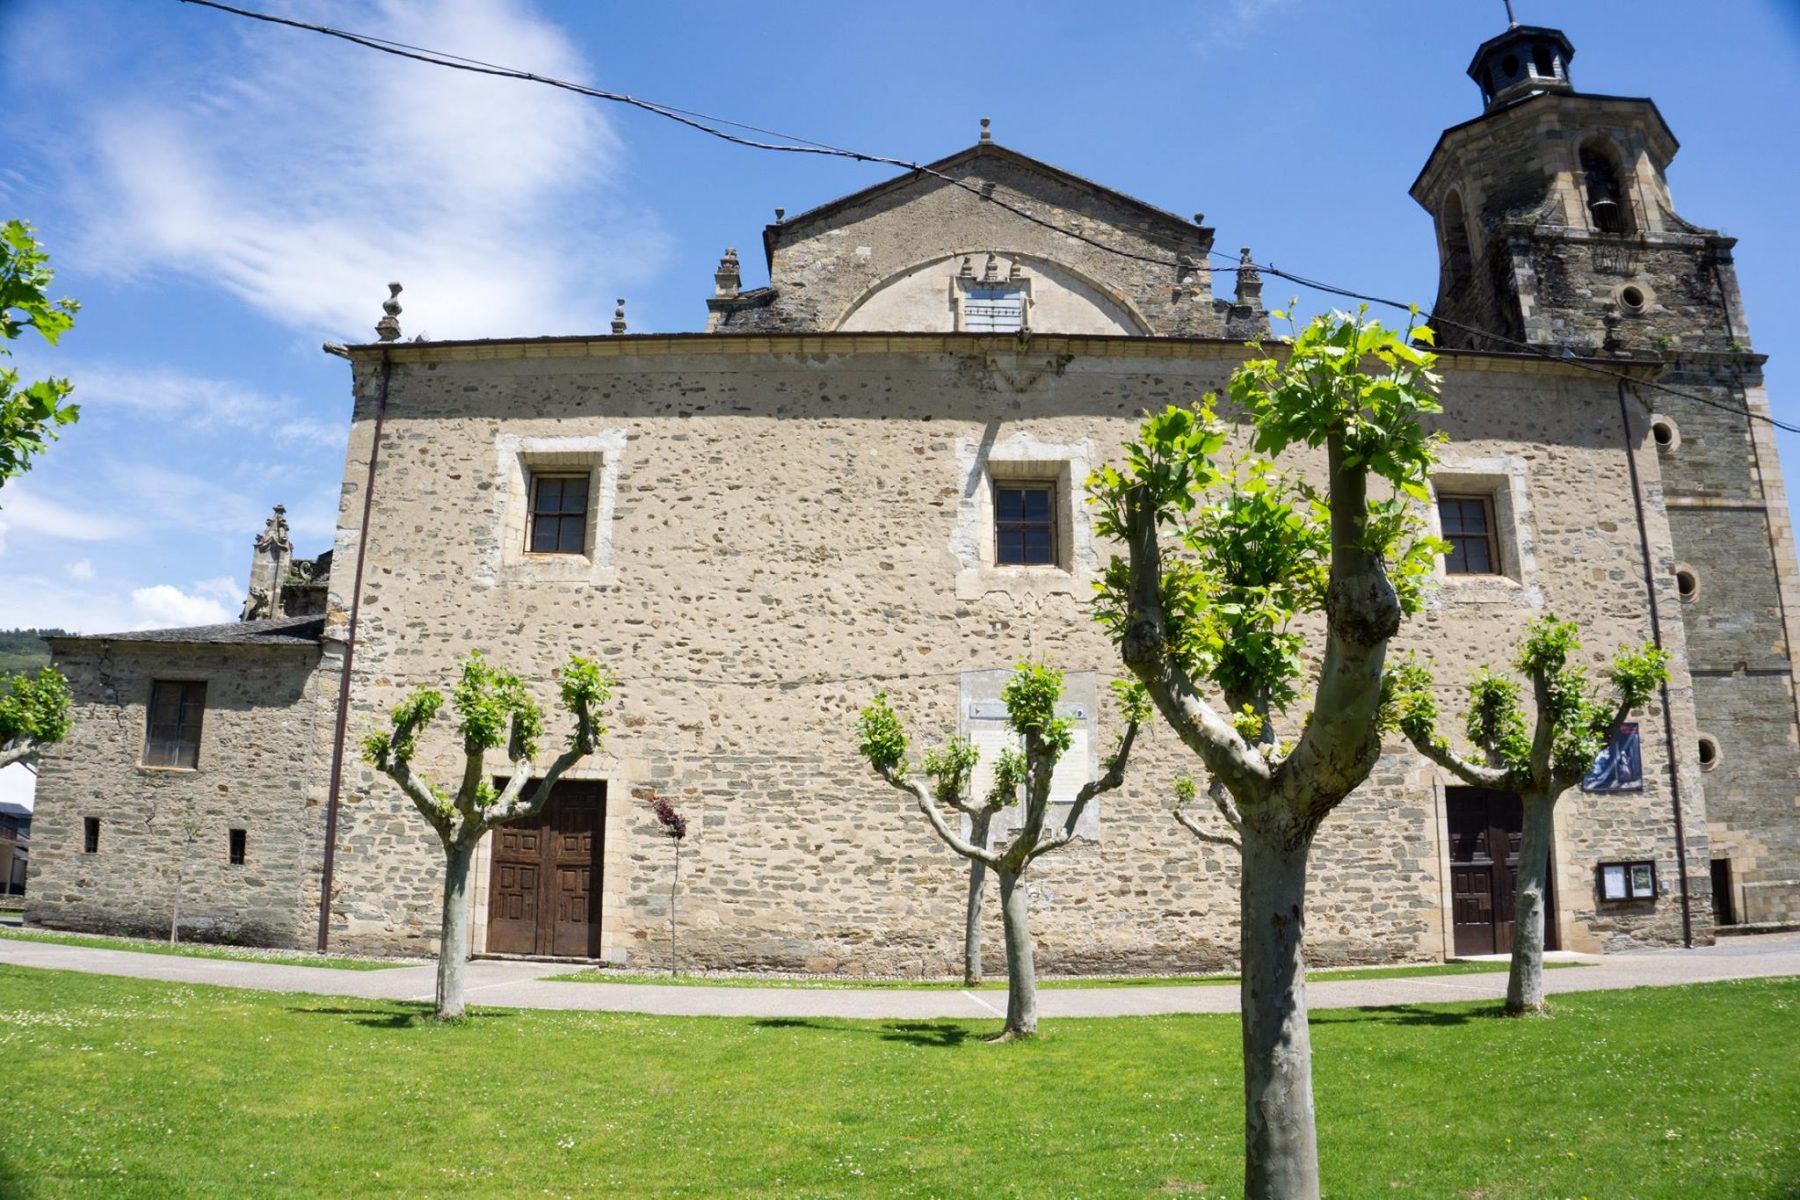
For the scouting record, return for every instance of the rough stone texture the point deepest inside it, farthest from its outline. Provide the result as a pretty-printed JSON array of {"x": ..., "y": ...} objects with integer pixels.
[
  {"x": 784, "y": 541},
  {"x": 257, "y": 761},
  {"x": 1535, "y": 267},
  {"x": 824, "y": 264}
]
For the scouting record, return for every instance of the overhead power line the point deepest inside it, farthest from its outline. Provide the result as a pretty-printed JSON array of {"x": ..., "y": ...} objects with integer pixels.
[{"x": 795, "y": 144}]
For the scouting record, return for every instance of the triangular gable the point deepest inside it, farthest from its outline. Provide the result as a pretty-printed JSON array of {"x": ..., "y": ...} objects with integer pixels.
[{"x": 798, "y": 227}]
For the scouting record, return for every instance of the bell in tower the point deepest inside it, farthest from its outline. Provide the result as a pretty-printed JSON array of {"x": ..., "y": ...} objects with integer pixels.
[{"x": 1555, "y": 224}]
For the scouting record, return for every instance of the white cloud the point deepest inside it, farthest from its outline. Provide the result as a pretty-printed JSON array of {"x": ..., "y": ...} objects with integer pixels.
[
  {"x": 302, "y": 174},
  {"x": 225, "y": 588},
  {"x": 166, "y": 606},
  {"x": 82, "y": 570},
  {"x": 203, "y": 404},
  {"x": 22, "y": 509}
]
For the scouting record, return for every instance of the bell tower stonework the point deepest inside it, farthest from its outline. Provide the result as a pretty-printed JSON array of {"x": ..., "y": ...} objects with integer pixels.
[{"x": 1557, "y": 232}]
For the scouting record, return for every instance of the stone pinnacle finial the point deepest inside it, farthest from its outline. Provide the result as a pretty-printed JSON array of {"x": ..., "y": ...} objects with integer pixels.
[
  {"x": 388, "y": 328},
  {"x": 987, "y": 131},
  {"x": 1249, "y": 281},
  {"x": 780, "y": 215},
  {"x": 991, "y": 272},
  {"x": 618, "y": 321},
  {"x": 727, "y": 280}
]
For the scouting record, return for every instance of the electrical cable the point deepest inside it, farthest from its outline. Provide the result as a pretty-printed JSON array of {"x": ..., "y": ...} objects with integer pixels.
[{"x": 795, "y": 144}]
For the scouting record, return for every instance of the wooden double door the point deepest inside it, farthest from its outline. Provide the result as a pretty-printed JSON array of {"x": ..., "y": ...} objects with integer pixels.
[
  {"x": 544, "y": 886},
  {"x": 1486, "y": 830}
]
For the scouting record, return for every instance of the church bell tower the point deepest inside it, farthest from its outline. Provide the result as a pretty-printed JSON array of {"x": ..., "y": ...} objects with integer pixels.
[{"x": 1556, "y": 229}]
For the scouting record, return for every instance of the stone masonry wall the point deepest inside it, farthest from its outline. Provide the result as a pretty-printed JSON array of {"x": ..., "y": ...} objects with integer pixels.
[
  {"x": 256, "y": 770},
  {"x": 823, "y": 265},
  {"x": 783, "y": 543}
]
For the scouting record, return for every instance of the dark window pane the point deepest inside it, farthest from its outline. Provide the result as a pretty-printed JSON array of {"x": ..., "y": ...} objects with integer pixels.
[
  {"x": 1011, "y": 546},
  {"x": 1025, "y": 526},
  {"x": 558, "y": 514},
  {"x": 177, "y": 709},
  {"x": 1009, "y": 504},
  {"x": 1037, "y": 505},
  {"x": 1037, "y": 546}
]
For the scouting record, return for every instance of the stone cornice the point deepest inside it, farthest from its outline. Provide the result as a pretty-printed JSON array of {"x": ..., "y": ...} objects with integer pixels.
[{"x": 1074, "y": 346}]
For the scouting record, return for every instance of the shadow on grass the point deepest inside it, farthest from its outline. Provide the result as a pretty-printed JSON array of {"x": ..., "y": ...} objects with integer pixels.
[
  {"x": 14, "y": 1184},
  {"x": 939, "y": 1034},
  {"x": 1405, "y": 1014},
  {"x": 414, "y": 1014}
]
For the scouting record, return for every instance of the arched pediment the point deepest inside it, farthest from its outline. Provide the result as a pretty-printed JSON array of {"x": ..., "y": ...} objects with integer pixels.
[{"x": 952, "y": 292}]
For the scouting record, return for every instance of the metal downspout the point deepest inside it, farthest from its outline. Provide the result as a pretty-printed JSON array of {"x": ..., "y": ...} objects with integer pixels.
[
  {"x": 343, "y": 705},
  {"x": 1637, "y": 499}
]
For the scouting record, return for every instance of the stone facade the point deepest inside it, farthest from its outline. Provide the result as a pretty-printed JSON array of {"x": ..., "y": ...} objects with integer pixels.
[
  {"x": 257, "y": 763},
  {"x": 796, "y": 509},
  {"x": 1558, "y": 229},
  {"x": 784, "y": 542}
]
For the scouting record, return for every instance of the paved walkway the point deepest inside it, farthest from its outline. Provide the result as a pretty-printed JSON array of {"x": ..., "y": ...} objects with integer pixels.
[{"x": 522, "y": 985}]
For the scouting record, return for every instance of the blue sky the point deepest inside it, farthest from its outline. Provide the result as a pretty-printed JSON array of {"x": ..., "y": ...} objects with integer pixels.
[{"x": 224, "y": 196}]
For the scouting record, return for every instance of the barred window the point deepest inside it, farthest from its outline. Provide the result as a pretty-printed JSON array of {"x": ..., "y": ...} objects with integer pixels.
[
  {"x": 559, "y": 508},
  {"x": 173, "y": 739},
  {"x": 1468, "y": 523},
  {"x": 1025, "y": 525}
]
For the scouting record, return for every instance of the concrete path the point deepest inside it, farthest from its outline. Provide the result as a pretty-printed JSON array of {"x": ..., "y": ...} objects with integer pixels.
[{"x": 522, "y": 985}]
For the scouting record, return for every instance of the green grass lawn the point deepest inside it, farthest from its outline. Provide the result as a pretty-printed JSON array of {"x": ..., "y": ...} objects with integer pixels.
[
  {"x": 130, "y": 1088},
  {"x": 286, "y": 958},
  {"x": 609, "y": 975}
]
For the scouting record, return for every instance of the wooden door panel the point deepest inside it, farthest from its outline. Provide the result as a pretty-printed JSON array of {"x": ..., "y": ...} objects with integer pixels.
[
  {"x": 542, "y": 897},
  {"x": 1472, "y": 899}
]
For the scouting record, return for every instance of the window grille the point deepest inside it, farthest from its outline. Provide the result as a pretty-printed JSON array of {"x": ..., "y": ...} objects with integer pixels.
[{"x": 176, "y": 709}]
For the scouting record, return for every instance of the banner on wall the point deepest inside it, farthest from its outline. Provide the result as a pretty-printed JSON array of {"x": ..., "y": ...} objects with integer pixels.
[{"x": 1620, "y": 767}]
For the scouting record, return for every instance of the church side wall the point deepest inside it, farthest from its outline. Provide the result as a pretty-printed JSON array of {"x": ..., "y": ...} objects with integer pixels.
[
  {"x": 788, "y": 535},
  {"x": 256, "y": 760}
]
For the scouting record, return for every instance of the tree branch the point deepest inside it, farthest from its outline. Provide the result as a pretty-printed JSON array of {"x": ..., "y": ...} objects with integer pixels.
[
  {"x": 1222, "y": 802},
  {"x": 1362, "y": 611},
  {"x": 1113, "y": 776},
  {"x": 1194, "y": 827},
  {"x": 1473, "y": 774},
  {"x": 929, "y": 807},
  {"x": 441, "y": 816},
  {"x": 1543, "y": 738},
  {"x": 540, "y": 795},
  {"x": 1144, "y": 647},
  {"x": 18, "y": 751}
]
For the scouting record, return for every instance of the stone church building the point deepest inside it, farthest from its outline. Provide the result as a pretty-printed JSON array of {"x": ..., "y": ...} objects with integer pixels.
[{"x": 868, "y": 474}]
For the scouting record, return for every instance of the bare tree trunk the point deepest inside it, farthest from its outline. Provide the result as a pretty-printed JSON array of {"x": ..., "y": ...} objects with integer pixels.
[
  {"x": 175, "y": 910},
  {"x": 1021, "y": 971},
  {"x": 1281, "y": 1150},
  {"x": 453, "y": 937},
  {"x": 978, "y": 836},
  {"x": 674, "y": 883},
  {"x": 1525, "y": 981}
]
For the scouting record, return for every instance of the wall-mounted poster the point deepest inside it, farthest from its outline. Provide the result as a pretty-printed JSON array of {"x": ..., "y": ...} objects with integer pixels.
[
  {"x": 1612, "y": 881},
  {"x": 1643, "y": 881},
  {"x": 1620, "y": 767}
]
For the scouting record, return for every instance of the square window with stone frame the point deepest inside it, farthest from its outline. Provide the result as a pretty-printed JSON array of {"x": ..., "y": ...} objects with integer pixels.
[
  {"x": 1468, "y": 526},
  {"x": 173, "y": 735},
  {"x": 1025, "y": 524},
  {"x": 559, "y": 514}
]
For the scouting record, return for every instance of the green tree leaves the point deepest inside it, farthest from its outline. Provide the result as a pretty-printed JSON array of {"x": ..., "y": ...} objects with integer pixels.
[
  {"x": 1248, "y": 547},
  {"x": 34, "y": 709},
  {"x": 29, "y": 415}
]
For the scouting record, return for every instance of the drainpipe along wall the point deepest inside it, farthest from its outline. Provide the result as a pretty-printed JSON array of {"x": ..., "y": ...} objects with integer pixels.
[
  {"x": 1668, "y": 721},
  {"x": 343, "y": 704}
]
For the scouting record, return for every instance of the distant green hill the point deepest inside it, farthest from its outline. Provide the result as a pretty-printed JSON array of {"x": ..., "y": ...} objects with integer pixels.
[{"x": 25, "y": 649}]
